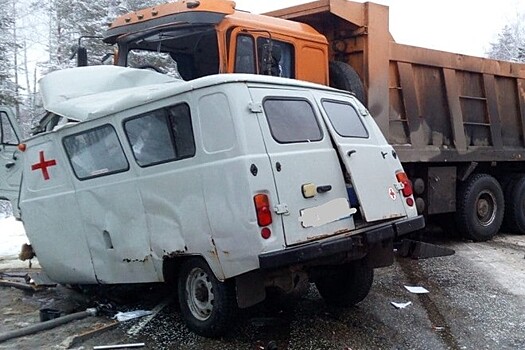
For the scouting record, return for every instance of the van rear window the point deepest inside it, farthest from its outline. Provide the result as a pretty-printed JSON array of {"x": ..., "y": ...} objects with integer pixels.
[
  {"x": 344, "y": 119},
  {"x": 292, "y": 120},
  {"x": 95, "y": 152}
]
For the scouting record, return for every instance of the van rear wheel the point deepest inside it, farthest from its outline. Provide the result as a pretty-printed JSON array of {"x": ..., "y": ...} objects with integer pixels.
[
  {"x": 480, "y": 207},
  {"x": 345, "y": 285},
  {"x": 207, "y": 305}
]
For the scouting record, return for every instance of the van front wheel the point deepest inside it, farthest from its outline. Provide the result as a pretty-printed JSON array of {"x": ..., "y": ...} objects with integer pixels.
[
  {"x": 207, "y": 305},
  {"x": 345, "y": 285}
]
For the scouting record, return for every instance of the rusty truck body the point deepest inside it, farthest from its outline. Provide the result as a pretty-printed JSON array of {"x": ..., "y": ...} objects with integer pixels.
[{"x": 455, "y": 121}]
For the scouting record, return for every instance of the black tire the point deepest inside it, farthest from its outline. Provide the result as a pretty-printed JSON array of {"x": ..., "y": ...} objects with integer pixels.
[
  {"x": 344, "y": 77},
  {"x": 345, "y": 285},
  {"x": 515, "y": 206},
  {"x": 207, "y": 305},
  {"x": 480, "y": 207}
]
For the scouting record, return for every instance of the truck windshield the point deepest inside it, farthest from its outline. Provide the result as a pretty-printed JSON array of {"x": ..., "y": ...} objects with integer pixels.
[{"x": 186, "y": 53}]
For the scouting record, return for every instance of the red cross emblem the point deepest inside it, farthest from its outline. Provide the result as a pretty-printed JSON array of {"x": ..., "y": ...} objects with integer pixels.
[
  {"x": 43, "y": 165},
  {"x": 392, "y": 193}
]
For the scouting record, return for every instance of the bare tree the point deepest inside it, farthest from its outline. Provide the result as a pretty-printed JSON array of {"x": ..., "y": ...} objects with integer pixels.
[{"x": 510, "y": 43}]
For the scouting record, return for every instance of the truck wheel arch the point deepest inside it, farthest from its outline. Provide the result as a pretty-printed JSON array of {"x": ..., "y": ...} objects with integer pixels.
[{"x": 344, "y": 77}]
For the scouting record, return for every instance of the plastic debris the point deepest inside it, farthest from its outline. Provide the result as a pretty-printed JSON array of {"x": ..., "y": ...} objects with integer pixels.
[
  {"x": 416, "y": 289},
  {"x": 400, "y": 305},
  {"x": 126, "y": 316}
]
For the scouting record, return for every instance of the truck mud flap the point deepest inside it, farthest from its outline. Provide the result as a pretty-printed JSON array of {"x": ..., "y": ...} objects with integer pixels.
[{"x": 408, "y": 248}]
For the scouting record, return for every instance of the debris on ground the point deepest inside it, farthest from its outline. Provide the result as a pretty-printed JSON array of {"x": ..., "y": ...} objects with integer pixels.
[
  {"x": 400, "y": 305},
  {"x": 416, "y": 289}
]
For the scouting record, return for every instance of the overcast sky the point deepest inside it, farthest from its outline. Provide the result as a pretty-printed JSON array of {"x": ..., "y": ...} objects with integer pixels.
[{"x": 463, "y": 26}]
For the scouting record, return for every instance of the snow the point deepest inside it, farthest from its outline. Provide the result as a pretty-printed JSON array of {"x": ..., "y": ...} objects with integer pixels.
[{"x": 12, "y": 236}]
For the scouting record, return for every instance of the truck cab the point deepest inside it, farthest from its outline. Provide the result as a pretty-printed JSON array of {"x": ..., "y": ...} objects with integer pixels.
[
  {"x": 197, "y": 38},
  {"x": 10, "y": 167}
]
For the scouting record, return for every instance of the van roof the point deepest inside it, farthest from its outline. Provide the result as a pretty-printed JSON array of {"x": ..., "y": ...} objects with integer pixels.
[{"x": 86, "y": 93}]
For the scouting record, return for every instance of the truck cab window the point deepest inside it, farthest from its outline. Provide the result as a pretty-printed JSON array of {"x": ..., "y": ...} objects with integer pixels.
[
  {"x": 95, "y": 152},
  {"x": 292, "y": 121},
  {"x": 275, "y": 58},
  {"x": 161, "y": 136},
  {"x": 7, "y": 133},
  {"x": 345, "y": 119},
  {"x": 245, "y": 55}
]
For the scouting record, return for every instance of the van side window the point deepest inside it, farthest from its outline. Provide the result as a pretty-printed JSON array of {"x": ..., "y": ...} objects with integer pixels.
[
  {"x": 276, "y": 58},
  {"x": 292, "y": 120},
  {"x": 95, "y": 152},
  {"x": 245, "y": 55},
  {"x": 345, "y": 119},
  {"x": 7, "y": 134},
  {"x": 161, "y": 136}
]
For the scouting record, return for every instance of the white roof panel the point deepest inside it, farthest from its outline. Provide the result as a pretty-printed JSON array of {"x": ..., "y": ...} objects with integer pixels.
[{"x": 88, "y": 92}]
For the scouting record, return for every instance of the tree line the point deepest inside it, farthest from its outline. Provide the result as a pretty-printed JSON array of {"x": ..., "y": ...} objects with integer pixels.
[{"x": 52, "y": 27}]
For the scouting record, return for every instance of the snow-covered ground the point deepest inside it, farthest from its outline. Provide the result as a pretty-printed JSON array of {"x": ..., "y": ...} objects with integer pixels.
[{"x": 12, "y": 236}]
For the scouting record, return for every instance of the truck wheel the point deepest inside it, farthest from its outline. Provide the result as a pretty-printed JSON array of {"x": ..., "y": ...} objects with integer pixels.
[
  {"x": 345, "y": 285},
  {"x": 480, "y": 207},
  {"x": 344, "y": 77},
  {"x": 207, "y": 305},
  {"x": 515, "y": 205}
]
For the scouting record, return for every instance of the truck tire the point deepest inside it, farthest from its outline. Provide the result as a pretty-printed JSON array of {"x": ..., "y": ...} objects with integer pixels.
[
  {"x": 345, "y": 285},
  {"x": 207, "y": 305},
  {"x": 344, "y": 77},
  {"x": 480, "y": 207},
  {"x": 514, "y": 219}
]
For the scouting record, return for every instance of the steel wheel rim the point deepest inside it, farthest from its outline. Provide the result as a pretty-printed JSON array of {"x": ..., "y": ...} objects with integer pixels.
[
  {"x": 199, "y": 291},
  {"x": 486, "y": 208}
]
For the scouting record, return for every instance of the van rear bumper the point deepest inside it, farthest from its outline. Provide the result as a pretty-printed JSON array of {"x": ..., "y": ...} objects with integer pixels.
[{"x": 354, "y": 244}]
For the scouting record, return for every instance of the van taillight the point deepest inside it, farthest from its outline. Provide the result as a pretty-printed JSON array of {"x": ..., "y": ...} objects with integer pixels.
[
  {"x": 262, "y": 207},
  {"x": 407, "y": 185}
]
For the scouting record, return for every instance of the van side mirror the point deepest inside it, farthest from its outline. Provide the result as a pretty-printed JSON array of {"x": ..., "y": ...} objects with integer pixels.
[{"x": 82, "y": 59}]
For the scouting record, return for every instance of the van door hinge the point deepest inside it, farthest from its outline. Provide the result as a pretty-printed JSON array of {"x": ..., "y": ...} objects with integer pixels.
[
  {"x": 281, "y": 209},
  {"x": 255, "y": 107}
]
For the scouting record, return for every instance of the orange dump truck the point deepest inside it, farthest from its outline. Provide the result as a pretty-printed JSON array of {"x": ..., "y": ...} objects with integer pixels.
[{"x": 456, "y": 122}]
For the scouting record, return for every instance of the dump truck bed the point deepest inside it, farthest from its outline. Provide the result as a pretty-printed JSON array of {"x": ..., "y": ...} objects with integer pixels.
[{"x": 433, "y": 106}]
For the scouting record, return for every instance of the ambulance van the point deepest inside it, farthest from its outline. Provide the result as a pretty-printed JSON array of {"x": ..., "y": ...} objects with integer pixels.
[{"x": 224, "y": 186}]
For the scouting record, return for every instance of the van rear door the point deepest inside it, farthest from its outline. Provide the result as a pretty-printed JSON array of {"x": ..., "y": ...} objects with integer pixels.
[
  {"x": 312, "y": 198},
  {"x": 369, "y": 160},
  {"x": 10, "y": 168}
]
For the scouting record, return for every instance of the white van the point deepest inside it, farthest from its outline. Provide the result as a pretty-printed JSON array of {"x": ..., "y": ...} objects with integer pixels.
[{"x": 226, "y": 185}]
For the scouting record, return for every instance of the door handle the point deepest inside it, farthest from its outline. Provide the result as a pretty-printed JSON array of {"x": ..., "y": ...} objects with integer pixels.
[
  {"x": 349, "y": 153},
  {"x": 10, "y": 165},
  {"x": 323, "y": 189}
]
